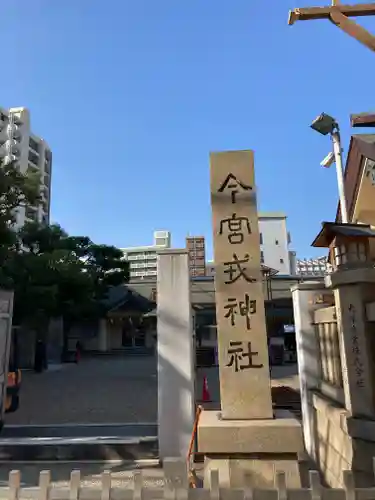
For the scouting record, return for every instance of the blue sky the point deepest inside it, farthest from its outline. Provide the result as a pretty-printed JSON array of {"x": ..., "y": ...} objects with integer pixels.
[{"x": 132, "y": 96}]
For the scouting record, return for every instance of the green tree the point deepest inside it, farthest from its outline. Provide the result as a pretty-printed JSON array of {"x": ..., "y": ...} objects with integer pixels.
[
  {"x": 16, "y": 189},
  {"x": 57, "y": 275}
]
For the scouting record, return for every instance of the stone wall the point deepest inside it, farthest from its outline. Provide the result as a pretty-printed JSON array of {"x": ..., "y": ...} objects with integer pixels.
[
  {"x": 336, "y": 437},
  {"x": 333, "y": 444},
  {"x": 342, "y": 445}
]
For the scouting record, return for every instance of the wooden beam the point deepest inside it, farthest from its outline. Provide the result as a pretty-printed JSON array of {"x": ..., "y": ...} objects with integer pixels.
[
  {"x": 362, "y": 120},
  {"x": 309, "y": 13},
  {"x": 352, "y": 29}
]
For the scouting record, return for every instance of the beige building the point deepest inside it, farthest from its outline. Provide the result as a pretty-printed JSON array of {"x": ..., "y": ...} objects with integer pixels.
[{"x": 30, "y": 154}]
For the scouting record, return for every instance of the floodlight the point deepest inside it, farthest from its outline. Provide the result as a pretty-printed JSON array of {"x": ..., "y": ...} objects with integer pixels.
[{"x": 324, "y": 124}]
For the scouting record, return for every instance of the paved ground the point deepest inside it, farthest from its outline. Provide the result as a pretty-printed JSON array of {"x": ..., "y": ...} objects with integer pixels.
[
  {"x": 97, "y": 390},
  {"x": 107, "y": 389}
]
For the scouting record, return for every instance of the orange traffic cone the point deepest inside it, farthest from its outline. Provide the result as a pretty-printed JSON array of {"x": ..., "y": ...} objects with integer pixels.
[{"x": 205, "y": 392}]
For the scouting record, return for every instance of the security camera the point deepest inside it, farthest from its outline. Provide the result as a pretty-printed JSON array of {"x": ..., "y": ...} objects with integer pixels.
[{"x": 328, "y": 160}]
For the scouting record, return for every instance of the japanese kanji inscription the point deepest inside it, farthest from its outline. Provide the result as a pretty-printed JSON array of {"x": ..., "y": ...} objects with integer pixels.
[
  {"x": 356, "y": 350},
  {"x": 242, "y": 337}
]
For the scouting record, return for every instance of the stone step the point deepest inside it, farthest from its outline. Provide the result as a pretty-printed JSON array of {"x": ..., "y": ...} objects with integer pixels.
[
  {"x": 80, "y": 442},
  {"x": 114, "y": 430}
]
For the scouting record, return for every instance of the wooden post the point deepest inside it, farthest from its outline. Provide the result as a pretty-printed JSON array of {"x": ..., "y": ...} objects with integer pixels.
[{"x": 339, "y": 15}]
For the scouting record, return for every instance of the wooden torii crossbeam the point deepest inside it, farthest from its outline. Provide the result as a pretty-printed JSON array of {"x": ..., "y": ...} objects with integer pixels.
[
  {"x": 339, "y": 15},
  {"x": 362, "y": 120}
]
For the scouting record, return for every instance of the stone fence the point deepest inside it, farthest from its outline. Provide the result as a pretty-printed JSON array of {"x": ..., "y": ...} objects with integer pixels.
[{"x": 175, "y": 485}]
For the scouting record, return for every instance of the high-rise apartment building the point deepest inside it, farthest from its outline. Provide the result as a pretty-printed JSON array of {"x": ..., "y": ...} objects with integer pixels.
[
  {"x": 196, "y": 247},
  {"x": 143, "y": 260},
  {"x": 30, "y": 154}
]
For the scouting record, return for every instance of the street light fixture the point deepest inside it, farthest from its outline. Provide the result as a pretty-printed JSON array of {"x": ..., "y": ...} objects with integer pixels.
[{"x": 325, "y": 124}]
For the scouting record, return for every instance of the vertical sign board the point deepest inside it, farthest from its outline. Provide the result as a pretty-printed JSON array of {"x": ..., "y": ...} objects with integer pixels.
[{"x": 241, "y": 327}]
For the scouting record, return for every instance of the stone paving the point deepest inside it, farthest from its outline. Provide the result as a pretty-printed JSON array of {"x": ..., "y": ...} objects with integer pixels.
[{"x": 107, "y": 389}]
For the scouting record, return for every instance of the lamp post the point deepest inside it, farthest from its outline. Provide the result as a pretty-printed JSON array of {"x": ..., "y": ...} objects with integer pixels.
[{"x": 325, "y": 124}]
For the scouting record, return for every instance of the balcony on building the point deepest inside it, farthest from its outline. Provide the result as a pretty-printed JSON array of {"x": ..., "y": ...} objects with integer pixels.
[
  {"x": 47, "y": 180},
  {"x": 34, "y": 158},
  {"x": 13, "y": 147},
  {"x": 14, "y": 118},
  {"x": 31, "y": 213},
  {"x": 32, "y": 169},
  {"x": 13, "y": 131},
  {"x": 34, "y": 145},
  {"x": 45, "y": 206},
  {"x": 47, "y": 162}
]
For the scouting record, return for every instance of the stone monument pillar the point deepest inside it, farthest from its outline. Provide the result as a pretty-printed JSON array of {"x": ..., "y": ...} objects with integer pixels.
[
  {"x": 175, "y": 354},
  {"x": 245, "y": 436}
]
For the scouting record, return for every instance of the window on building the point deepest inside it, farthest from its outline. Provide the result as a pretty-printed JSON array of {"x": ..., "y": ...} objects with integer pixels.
[
  {"x": 261, "y": 238},
  {"x": 276, "y": 242},
  {"x": 281, "y": 261},
  {"x": 262, "y": 257}
]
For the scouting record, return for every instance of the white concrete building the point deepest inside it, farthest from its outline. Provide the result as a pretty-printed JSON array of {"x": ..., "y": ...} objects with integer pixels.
[
  {"x": 31, "y": 154},
  {"x": 312, "y": 267},
  {"x": 142, "y": 260},
  {"x": 274, "y": 242}
]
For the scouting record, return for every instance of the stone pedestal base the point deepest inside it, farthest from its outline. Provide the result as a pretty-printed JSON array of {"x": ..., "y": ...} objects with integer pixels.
[{"x": 257, "y": 448}]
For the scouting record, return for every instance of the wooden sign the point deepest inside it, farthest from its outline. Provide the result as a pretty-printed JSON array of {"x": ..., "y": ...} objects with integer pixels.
[{"x": 242, "y": 338}]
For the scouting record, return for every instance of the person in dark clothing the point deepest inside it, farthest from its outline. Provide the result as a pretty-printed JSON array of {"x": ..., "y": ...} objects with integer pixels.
[
  {"x": 45, "y": 357},
  {"x": 39, "y": 359},
  {"x": 78, "y": 352}
]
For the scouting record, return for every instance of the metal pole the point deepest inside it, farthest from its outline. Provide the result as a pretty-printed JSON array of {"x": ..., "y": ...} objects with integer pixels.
[{"x": 340, "y": 175}]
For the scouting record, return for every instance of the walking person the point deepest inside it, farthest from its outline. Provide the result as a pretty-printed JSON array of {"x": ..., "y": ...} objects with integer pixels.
[
  {"x": 78, "y": 352},
  {"x": 39, "y": 357}
]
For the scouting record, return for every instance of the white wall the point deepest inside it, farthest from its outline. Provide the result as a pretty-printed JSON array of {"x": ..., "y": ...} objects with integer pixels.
[{"x": 275, "y": 245}]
